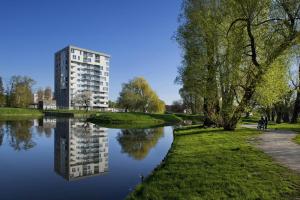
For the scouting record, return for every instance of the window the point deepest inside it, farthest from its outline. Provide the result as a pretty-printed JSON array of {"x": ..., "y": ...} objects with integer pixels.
[
  {"x": 72, "y": 50},
  {"x": 78, "y": 57},
  {"x": 101, "y": 83},
  {"x": 105, "y": 73},
  {"x": 106, "y": 83},
  {"x": 101, "y": 68},
  {"x": 74, "y": 57}
]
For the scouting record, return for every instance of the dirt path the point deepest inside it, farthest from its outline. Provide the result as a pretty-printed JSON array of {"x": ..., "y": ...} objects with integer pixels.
[{"x": 279, "y": 145}]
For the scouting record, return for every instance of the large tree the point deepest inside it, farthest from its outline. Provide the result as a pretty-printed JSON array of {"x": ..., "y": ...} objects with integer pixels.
[
  {"x": 296, "y": 109},
  {"x": 20, "y": 91},
  {"x": 48, "y": 94},
  {"x": 229, "y": 46},
  {"x": 137, "y": 95}
]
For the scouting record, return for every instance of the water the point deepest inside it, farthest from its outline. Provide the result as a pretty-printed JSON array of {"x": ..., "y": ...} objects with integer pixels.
[{"x": 70, "y": 159}]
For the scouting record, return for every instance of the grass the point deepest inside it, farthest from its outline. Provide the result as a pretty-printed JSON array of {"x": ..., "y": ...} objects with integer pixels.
[
  {"x": 136, "y": 120},
  {"x": 196, "y": 119},
  {"x": 19, "y": 112},
  {"x": 69, "y": 113},
  {"x": 216, "y": 164}
]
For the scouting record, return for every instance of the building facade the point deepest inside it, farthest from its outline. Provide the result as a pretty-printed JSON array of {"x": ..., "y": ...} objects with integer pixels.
[
  {"x": 81, "y": 149},
  {"x": 81, "y": 74}
]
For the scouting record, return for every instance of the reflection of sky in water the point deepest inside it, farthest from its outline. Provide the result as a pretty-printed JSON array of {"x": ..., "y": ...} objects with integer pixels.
[{"x": 28, "y": 156}]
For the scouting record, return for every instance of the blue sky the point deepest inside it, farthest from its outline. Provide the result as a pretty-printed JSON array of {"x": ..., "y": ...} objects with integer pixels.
[{"x": 136, "y": 33}]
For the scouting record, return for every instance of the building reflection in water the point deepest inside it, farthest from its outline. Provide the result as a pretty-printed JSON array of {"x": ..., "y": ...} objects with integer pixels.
[{"x": 81, "y": 149}]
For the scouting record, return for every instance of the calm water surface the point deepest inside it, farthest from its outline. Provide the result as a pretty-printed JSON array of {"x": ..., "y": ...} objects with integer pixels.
[{"x": 60, "y": 158}]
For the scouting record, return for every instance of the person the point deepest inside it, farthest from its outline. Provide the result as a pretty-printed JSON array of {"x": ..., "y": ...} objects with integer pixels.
[
  {"x": 261, "y": 123},
  {"x": 266, "y": 122}
]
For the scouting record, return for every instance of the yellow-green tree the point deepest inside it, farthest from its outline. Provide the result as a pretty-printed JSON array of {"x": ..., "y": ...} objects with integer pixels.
[
  {"x": 137, "y": 95},
  {"x": 21, "y": 91},
  {"x": 229, "y": 46},
  {"x": 274, "y": 85}
]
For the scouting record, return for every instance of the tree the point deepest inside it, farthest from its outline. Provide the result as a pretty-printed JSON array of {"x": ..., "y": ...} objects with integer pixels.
[
  {"x": 48, "y": 94},
  {"x": 296, "y": 109},
  {"x": 112, "y": 104},
  {"x": 83, "y": 99},
  {"x": 40, "y": 94},
  {"x": 2, "y": 94},
  {"x": 20, "y": 91},
  {"x": 229, "y": 46},
  {"x": 274, "y": 87},
  {"x": 137, "y": 95},
  {"x": 176, "y": 107}
]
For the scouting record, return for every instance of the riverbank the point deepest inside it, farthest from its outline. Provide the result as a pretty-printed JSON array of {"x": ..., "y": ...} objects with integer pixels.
[
  {"x": 217, "y": 164},
  {"x": 133, "y": 120},
  {"x": 19, "y": 112},
  {"x": 70, "y": 113}
]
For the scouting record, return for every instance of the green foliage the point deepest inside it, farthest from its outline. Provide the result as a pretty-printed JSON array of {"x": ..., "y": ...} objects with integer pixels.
[
  {"x": 137, "y": 95},
  {"x": 230, "y": 47},
  {"x": 215, "y": 164},
  {"x": 20, "y": 94},
  {"x": 274, "y": 85},
  {"x": 112, "y": 104}
]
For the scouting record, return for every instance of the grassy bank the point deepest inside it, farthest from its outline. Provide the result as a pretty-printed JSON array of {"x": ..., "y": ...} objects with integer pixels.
[
  {"x": 19, "y": 112},
  {"x": 69, "y": 113},
  {"x": 136, "y": 120},
  {"x": 215, "y": 164},
  {"x": 195, "y": 119}
]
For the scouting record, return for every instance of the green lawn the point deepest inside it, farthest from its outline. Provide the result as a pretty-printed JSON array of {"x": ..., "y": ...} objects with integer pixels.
[
  {"x": 136, "y": 120},
  {"x": 215, "y": 164},
  {"x": 19, "y": 112},
  {"x": 69, "y": 113}
]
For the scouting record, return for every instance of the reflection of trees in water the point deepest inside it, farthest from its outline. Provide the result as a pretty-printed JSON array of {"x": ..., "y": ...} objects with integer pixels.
[
  {"x": 44, "y": 130},
  {"x": 138, "y": 142},
  {"x": 20, "y": 137}
]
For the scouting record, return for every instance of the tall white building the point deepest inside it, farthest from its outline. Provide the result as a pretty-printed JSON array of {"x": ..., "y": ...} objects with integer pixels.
[{"x": 81, "y": 71}]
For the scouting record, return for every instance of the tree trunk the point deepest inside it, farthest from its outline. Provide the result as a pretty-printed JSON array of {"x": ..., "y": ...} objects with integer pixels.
[
  {"x": 278, "y": 109},
  {"x": 286, "y": 116},
  {"x": 273, "y": 115},
  {"x": 268, "y": 112},
  {"x": 296, "y": 110}
]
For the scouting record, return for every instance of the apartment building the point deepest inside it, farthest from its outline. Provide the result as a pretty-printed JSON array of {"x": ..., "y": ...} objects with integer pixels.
[
  {"x": 81, "y": 71},
  {"x": 81, "y": 149}
]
